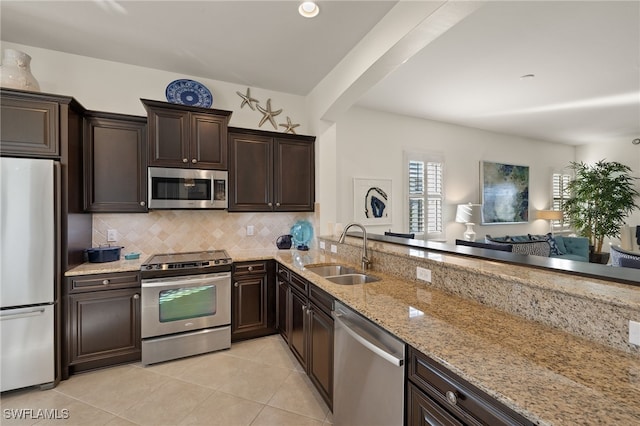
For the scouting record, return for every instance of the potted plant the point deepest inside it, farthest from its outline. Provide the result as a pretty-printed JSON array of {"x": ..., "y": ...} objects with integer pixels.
[{"x": 602, "y": 195}]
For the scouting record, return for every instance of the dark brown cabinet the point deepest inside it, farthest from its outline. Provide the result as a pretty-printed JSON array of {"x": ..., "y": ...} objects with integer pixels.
[
  {"x": 270, "y": 171},
  {"x": 102, "y": 321},
  {"x": 29, "y": 126},
  {"x": 253, "y": 300},
  {"x": 183, "y": 136},
  {"x": 115, "y": 163},
  {"x": 436, "y": 396},
  {"x": 282, "y": 303},
  {"x": 309, "y": 328}
]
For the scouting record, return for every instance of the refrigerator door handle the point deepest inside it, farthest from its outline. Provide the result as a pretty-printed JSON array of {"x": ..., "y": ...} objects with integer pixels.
[{"x": 15, "y": 315}]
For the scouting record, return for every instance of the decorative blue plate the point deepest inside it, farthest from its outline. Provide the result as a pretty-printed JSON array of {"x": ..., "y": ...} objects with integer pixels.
[
  {"x": 189, "y": 92},
  {"x": 302, "y": 233}
]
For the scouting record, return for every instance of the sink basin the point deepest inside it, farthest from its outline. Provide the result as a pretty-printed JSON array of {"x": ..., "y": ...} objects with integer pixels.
[
  {"x": 350, "y": 279},
  {"x": 341, "y": 274},
  {"x": 330, "y": 270}
]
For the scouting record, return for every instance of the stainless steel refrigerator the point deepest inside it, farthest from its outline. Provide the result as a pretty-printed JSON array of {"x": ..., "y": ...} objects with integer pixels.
[{"x": 27, "y": 272}]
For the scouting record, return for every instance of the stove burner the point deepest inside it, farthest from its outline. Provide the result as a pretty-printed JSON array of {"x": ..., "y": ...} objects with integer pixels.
[{"x": 187, "y": 263}]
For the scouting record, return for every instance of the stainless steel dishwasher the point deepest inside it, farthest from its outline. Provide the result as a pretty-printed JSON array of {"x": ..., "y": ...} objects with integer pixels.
[{"x": 368, "y": 376}]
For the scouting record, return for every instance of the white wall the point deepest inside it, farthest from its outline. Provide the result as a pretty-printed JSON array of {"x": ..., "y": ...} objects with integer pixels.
[
  {"x": 116, "y": 87},
  {"x": 370, "y": 144}
]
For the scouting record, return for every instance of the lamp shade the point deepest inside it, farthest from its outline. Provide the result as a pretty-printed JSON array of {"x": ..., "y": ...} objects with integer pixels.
[
  {"x": 549, "y": 214},
  {"x": 469, "y": 213}
]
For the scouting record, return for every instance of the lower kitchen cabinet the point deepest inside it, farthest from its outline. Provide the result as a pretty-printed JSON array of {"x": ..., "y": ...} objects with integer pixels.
[
  {"x": 253, "y": 300},
  {"x": 436, "y": 396},
  {"x": 103, "y": 321},
  {"x": 309, "y": 328},
  {"x": 282, "y": 310}
]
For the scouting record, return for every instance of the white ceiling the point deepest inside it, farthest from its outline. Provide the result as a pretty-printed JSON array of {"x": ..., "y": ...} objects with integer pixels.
[{"x": 585, "y": 56}]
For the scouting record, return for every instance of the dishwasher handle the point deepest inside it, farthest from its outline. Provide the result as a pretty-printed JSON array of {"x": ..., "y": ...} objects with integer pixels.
[{"x": 396, "y": 361}]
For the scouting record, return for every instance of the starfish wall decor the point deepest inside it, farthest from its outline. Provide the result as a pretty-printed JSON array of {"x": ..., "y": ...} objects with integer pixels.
[{"x": 267, "y": 113}]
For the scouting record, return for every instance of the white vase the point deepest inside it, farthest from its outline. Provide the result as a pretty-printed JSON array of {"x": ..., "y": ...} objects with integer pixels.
[{"x": 15, "y": 71}]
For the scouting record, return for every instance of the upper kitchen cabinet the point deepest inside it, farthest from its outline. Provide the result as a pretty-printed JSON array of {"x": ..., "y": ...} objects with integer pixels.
[
  {"x": 115, "y": 163},
  {"x": 270, "y": 171},
  {"x": 30, "y": 124},
  {"x": 183, "y": 136}
]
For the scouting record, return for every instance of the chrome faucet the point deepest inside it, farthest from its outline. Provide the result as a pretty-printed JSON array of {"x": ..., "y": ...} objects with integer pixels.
[{"x": 366, "y": 263}]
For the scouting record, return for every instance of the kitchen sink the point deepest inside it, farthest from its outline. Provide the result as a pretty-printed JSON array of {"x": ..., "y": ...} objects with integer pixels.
[
  {"x": 330, "y": 270},
  {"x": 350, "y": 279},
  {"x": 341, "y": 274}
]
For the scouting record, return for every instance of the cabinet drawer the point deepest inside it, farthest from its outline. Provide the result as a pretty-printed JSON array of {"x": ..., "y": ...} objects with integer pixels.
[
  {"x": 299, "y": 283},
  {"x": 246, "y": 268},
  {"x": 459, "y": 397},
  {"x": 283, "y": 273},
  {"x": 82, "y": 283},
  {"x": 321, "y": 299}
]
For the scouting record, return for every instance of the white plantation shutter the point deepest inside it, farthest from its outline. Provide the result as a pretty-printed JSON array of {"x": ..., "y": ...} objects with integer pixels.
[
  {"x": 560, "y": 190},
  {"x": 424, "y": 194}
]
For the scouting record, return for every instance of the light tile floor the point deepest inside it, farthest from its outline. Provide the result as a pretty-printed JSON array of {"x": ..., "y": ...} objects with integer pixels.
[{"x": 256, "y": 382}]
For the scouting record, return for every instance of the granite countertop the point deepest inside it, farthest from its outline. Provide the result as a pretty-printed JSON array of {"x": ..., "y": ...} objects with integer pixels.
[{"x": 549, "y": 376}]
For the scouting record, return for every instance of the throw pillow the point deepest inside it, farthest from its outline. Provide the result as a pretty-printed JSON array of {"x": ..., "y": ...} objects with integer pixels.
[
  {"x": 536, "y": 248},
  {"x": 560, "y": 243},
  {"x": 553, "y": 244}
]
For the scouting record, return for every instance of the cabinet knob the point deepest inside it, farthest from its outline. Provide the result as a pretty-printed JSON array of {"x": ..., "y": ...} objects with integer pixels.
[
  {"x": 452, "y": 397},
  {"x": 142, "y": 203},
  {"x": 280, "y": 283},
  {"x": 250, "y": 268},
  {"x": 277, "y": 204},
  {"x": 105, "y": 282},
  {"x": 194, "y": 161},
  {"x": 136, "y": 296},
  {"x": 236, "y": 284},
  {"x": 270, "y": 204},
  {"x": 184, "y": 160}
]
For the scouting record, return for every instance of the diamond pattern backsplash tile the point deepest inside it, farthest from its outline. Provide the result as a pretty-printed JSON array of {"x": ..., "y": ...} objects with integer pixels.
[{"x": 166, "y": 231}]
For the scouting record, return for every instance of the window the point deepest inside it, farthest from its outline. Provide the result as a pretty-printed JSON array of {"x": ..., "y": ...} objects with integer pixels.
[
  {"x": 424, "y": 195},
  {"x": 560, "y": 192}
]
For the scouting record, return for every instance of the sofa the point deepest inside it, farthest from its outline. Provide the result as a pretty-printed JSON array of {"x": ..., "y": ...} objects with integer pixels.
[{"x": 555, "y": 246}]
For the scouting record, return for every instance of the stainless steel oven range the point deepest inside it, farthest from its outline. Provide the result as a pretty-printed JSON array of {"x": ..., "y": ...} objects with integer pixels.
[{"x": 186, "y": 305}]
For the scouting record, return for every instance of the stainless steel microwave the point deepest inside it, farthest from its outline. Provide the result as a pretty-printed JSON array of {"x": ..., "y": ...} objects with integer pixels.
[{"x": 187, "y": 188}]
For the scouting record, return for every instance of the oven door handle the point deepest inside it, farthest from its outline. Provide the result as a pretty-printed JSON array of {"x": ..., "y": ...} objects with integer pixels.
[{"x": 181, "y": 281}]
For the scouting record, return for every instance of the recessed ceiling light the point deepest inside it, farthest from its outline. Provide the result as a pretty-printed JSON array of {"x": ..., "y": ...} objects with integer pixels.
[{"x": 308, "y": 9}]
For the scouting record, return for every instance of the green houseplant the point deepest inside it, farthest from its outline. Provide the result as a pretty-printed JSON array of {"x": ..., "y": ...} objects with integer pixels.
[{"x": 601, "y": 197}]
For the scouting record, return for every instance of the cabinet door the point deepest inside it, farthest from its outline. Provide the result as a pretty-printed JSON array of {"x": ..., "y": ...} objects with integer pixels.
[
  {"x": 294, "y": 183},
  {"x": 29, "y": 127},
  {"x": 168, "y": 137},
  {"x": 104, "y": 328},
  {"x": 115, "y": 164},
  {"x": 250, "y": 173},
  {"x": 321, "y": 352},
  {"x": 297, "y": 331},
  {"x": 282, "y": 309},
  {"x": 424, "y": 411},
  {"x": 249, "y": 306},
  {"x": 208, "y": 142}
]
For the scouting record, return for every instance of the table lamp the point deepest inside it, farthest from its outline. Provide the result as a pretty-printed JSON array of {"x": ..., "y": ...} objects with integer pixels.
[
  {"x": 469, "y": 214},
  {"x": 549, "y": 215}
]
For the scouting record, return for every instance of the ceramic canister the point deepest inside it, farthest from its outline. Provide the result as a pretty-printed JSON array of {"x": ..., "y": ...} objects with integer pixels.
[{"x": 15, "y": 71}]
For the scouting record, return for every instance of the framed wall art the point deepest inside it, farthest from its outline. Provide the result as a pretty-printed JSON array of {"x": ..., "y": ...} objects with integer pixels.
[
  {"x": 372, "y": 201},
  {"x": 505, "y": 193}
]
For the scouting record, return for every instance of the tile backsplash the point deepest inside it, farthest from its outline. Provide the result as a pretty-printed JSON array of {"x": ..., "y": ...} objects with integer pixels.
[{"x": 165, "y": 231}]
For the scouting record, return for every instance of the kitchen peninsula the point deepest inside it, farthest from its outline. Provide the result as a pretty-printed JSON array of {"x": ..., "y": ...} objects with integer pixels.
[{"x": 547, "y": 375}]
